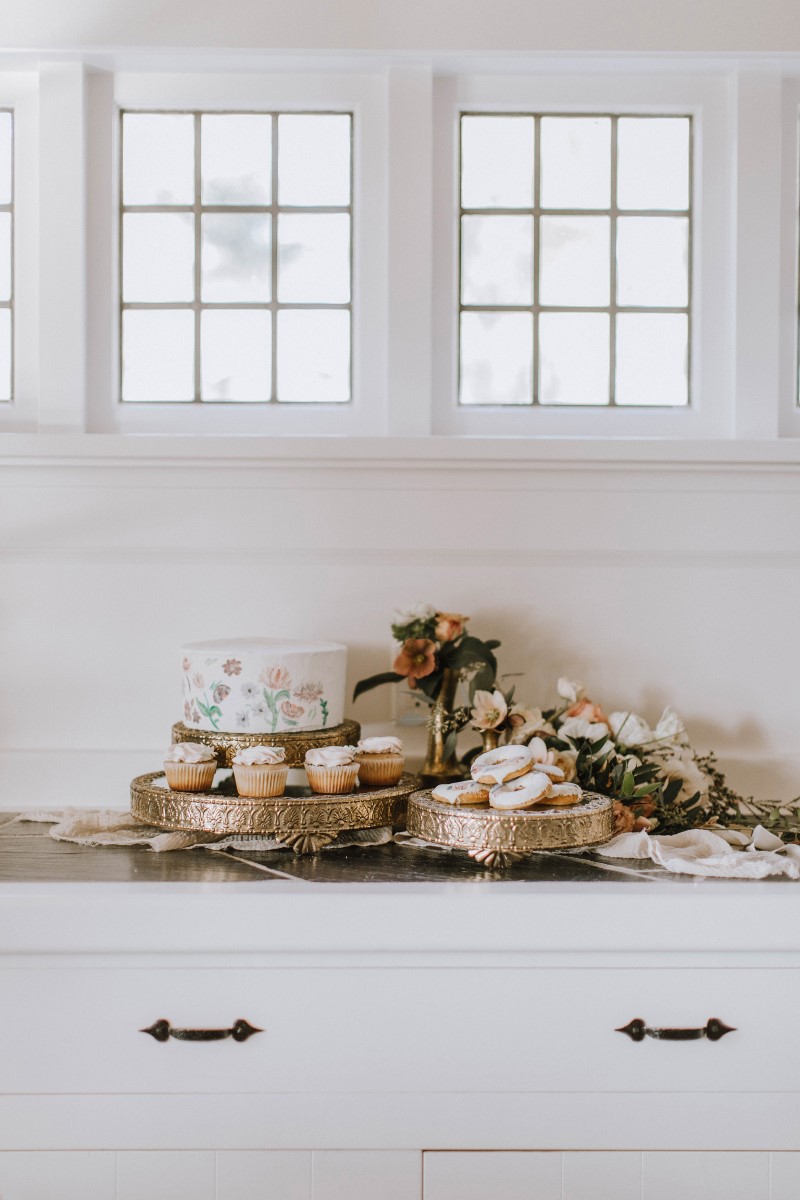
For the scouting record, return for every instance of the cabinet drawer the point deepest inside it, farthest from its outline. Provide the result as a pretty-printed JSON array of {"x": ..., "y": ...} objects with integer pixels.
[{"x": 396, "y": 1030}]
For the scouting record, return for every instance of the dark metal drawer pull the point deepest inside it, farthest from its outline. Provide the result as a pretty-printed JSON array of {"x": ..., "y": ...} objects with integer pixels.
[
  {"x": 162, "y": 1031},
  {"x": 714, "y": 1029}
]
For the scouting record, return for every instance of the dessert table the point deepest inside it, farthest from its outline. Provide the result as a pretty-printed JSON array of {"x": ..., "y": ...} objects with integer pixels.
[{"x": 419, "y": 1026}]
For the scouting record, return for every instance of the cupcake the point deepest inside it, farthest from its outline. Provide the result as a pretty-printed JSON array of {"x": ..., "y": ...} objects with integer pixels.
[
  {"x": 260, "y": 772},
  {"x": 380, "y": 761},
  {"x": 332, "y": 769},
  {"x": 190, "y": 767}
]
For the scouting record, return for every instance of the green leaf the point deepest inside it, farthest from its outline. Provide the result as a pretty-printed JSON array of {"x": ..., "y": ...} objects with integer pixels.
[
  {"x": 366, "y": 685},
  {"x": 627, "y": 784},
  {"x": 492, "y": 644},
  {"x": 482, "y": 681},
  {"x": 471, "y": 650}
]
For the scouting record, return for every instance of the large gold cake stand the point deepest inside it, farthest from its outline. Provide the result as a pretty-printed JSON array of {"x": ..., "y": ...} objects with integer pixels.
[
  {"x": 296, "y": 744},
  {"x": 302, "y": 821},
  {"x": 498, "y": 838}
]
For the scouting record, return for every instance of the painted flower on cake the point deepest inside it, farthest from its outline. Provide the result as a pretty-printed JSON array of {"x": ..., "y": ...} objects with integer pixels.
[
  {"x": 292, "y": 712},
  {"x": 220, "y": 692},
  {"x": 232, "y": 666},
  {"x": 187, "y": 665},
  {"x": 489, "y": 709},
  {"x": 416, "y": 659},
  {"x": 241, "y": 720},
  {"x": 187, "y": 711},
  {"x": 195, "y": 717},
  {"x": 309, "y": 692},
  {"x": 198, "y": 681},
  {"x": 276, "y": 678}
]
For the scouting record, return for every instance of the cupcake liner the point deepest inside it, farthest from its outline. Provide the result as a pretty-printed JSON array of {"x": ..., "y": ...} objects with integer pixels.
[
  {"x": 190, "y": 777},
  {"x": 380, "y": 769},
  {"x": 332, "y": 780},
  {"x": 259, "y": 781}
]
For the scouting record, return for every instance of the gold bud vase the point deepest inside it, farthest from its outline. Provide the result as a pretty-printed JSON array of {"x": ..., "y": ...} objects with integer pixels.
[{"x": 437, "y": 768}]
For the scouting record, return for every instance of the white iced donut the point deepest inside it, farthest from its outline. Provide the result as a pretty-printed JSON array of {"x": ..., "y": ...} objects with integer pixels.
[
  {"x": 565, "y": 793},
  {"x": 466, "y": 791},
  {"x": 555, "y": 773},
  {"x": 502, "y": 764},
  {"x": 521, "y": 793}
]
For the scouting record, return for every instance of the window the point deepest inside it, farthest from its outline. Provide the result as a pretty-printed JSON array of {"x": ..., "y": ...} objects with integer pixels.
[
  {"x": 6, "y": 256},
  {"x": 574, "y": 264},
  {"x": 236, "y": 236}
]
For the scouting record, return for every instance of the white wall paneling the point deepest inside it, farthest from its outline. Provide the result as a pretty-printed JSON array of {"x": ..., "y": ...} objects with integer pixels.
[{"x": 655, "y": 582}]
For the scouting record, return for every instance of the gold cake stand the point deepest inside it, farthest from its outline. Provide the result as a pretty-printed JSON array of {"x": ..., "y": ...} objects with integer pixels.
[
  {"x": 497, "y": 838},
  {"x": 301, "y": 820},
  {"x": 296, "y": 744}
]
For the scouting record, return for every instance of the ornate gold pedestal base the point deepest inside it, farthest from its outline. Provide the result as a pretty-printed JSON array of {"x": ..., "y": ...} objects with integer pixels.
[
  {"x": 497, "y": 838},
  {"x": 296, "y": 744},
  {"x": 301, "y": 821}
]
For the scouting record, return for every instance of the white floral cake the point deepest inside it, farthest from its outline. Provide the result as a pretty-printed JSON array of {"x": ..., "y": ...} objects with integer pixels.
[{"x": 260, "y": 685}]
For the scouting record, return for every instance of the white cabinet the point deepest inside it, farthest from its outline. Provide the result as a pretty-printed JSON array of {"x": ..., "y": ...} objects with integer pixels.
[{"x": 611, "y": 1176}]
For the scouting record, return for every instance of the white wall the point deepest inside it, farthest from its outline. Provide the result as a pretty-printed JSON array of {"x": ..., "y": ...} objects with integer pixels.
[
  {"x": 522, "y": 25},
  {"x": 664, "y": 581}
]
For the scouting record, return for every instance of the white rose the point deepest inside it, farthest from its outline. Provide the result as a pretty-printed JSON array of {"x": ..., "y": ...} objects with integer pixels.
[
  {"x": 579, "y": 727},
  {"x": 687, "y": 770},
  {"x": 630, "y": 729},
  {"x": 570, "y": 690},
  {"x": 670, "y": 727},
  {"x": 417, "y": 612}
]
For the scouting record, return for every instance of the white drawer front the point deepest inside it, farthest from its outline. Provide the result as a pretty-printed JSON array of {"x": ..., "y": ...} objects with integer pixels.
[{"x": 392, "y": 1030}]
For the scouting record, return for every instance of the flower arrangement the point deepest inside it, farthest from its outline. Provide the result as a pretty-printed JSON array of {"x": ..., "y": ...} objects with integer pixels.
[{"x": 654, "y": 776}]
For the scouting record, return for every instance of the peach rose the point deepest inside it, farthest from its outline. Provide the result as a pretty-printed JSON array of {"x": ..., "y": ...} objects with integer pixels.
[
  {"x": 449, "y": 626},
  {"x": 589, "y": 711},
  {"x": 416, "y": 659},
  {"x": 633, "y": 820}
]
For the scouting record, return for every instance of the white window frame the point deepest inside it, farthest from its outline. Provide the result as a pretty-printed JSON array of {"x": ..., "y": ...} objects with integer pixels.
[
  {"x": 19, "y": 92},
  {"x": 706, "y": 99},
  {"x": 364, "y": 96}
]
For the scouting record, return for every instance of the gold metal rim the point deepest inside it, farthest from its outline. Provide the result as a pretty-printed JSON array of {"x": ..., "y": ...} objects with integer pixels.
[
  {"x": 471, "y": 828},
  {"x": 207, "y": 812},
  {"x": 225, "y": 745}
]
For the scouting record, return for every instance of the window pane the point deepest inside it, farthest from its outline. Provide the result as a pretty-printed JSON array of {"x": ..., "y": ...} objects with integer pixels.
[
  {"x": 497, "y": 162},
  {"x": 497, "y": 260},
  {"x": 235, "y": 355},
  {"x": 5, "y": 256},
  {"x": 575, "y": 261},
  {"x": 158, "y": 355},
  {"x": 652, "y": 359},
  {"x": 314, "y": 356},
  {"x": 157, "y": 158},
  {"x": 314, "y": 258},
  {"x": 6, "y": 157},
  {"x": 573, "y": 358},
  {"x": 236, "y": 155},
  {"x": 576, "y": 162},
  {"x": 653, "y": 162},
  {"x": 5, "y": 354},
  {"x": 496, "y": 358},
  {"x": 314, "y": 159},
  {"x": 158, "y": 257},
  {"x": 653, "y": 261},
  {"x": 236, "y": 257}
]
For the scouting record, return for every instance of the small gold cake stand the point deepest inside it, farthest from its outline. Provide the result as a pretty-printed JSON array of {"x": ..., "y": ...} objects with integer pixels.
[
  {"x": 227, "y": 744},
  {"x": 302, "y": 821},
  {"x": 497, "y": 838}
]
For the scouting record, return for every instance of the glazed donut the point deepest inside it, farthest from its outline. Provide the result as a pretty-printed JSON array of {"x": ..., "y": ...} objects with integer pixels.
[
  {"x": 502, "y": 764},
  {"x": 467, "y": 791},
  {"x": 522, "y": 793},
  {"x": 555, "y": 773},
  {"x": 564, "y": 793}
]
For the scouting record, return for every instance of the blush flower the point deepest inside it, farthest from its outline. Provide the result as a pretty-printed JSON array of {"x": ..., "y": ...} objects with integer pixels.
[
  {"x": 416, "y": 659},
  {"x": 589, "y": 711},
  {"x": 232, "y": 667},
  {"x": 489, "y": 709},
  {"x": 309, "y": 692},
  {"x": 292, "y": 711},
  {"x": 220, "y": 692},
  {"x": 449, "y": 626}
]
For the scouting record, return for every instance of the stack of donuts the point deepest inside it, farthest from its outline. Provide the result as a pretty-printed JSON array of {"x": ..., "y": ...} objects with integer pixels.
[{"x": 512, "y": 777}]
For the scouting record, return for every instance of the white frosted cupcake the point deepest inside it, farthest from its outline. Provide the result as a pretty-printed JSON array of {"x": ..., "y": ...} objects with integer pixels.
[
  {"x": 260, "y": 772},
  {"x": 380, "y": 761},
  {"x": 190, "y": 767},
  {"x": 332, "y": 769}
]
